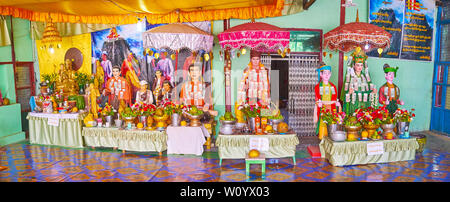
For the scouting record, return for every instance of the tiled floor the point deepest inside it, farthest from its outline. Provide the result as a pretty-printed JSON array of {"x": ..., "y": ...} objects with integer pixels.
[{"x": 37, "y": 163}]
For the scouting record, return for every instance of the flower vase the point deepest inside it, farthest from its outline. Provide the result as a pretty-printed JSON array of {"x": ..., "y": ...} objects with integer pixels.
[
  {"x": 143, "y": 120},
  {"x": 352, "y": 132},
  {"x": 108, "y": 119},
  {"x": 388, "y": 128},
  {"x": 331, "y": 128},
  {"x": 176, "y": 119},
  {"x": 251, "y": 123},
  {"x": 81, "y": 91},
  {"x": 402, "y": 128}
]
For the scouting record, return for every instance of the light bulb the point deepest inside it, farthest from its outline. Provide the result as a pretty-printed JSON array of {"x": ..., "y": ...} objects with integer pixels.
[
  {"x": 51, "y": 49},
  {"x": 366, "y": 46}
]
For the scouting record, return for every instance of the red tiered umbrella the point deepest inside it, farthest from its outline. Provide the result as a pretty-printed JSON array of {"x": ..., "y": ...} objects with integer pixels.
[
  {"x": 258, "y": 36},
  {"x": 348, "y": 36}
]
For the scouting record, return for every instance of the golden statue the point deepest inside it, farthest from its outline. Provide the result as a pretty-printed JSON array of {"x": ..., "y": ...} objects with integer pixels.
[
  {"x": 66, "y": 82},
  {"x": 93, "y": 93}
]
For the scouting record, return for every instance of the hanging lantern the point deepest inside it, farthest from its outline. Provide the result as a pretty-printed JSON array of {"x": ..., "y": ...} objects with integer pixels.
[
  {"x": 172, "y": 56},
  {"x": 194, "y": 54},
  {"x": 345, "y": 57},
  {"x": 331, "y": 55},
  {"x": 324, "y": 54},
  {"x": 206, "y": 56},
  {"x": 211, "y": 55},
  {"x": 289, "y": 51},
  {"x": 279, "y": 52},
  {"x": 156, "y": 55},
  {"x": 238, "y": 54}
]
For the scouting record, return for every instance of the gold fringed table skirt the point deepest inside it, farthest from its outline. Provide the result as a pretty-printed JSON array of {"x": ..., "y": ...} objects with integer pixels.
[
  {"x": 237, "y": 146},
  {"x": 128, "y": 140},
  {"x": 355, "y": 152}
]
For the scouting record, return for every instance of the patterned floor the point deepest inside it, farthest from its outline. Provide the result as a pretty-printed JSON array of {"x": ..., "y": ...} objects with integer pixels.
[{"x": 37, "y": 163}]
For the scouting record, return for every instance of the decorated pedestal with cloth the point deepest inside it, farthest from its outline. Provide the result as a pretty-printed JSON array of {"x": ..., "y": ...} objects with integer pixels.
[
  {"x": 56, "y": 129},
  {"x": 362, "y": 152},
  {"x": 237, "y": 146},
  {"x": 126, "y": 140},
  {"x": 186, "y": 140}
]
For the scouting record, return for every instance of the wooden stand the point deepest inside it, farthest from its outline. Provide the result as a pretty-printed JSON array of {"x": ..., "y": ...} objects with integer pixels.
[{"x": 261, "y": 159}]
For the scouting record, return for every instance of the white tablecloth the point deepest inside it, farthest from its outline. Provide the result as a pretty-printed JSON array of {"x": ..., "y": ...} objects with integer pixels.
[
  {"x": 59, "y": 116},
  {"x": 186, "y": 140}
]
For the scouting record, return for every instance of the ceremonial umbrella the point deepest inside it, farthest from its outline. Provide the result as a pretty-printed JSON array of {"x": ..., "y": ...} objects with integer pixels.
[
  {"x": 177, "y": 36},
  {"x": 348, "y": 36},
  {"x": 257, "y": 36}
]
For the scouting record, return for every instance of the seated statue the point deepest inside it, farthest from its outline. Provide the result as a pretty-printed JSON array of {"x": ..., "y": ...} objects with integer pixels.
[{"x": 66, "y": 82}]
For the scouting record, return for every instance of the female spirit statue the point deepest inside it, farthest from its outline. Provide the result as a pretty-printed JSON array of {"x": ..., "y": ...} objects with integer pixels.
[
  {"x": 389, "y": 92},
  {"x": 326, "y": 93},
  {"x": 358, "y": 90}
]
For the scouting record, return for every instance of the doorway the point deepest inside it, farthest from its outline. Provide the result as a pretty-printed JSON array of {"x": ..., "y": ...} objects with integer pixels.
[{"x": 293, "y": 79}]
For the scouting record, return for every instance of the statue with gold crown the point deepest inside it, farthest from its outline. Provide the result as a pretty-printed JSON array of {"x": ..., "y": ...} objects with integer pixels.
[
  {"x": 66, "y": 82},
  {"x": 358, "y": 90}
]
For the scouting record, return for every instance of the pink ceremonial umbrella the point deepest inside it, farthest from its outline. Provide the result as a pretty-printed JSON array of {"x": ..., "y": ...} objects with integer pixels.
[{"x": 258, "y": 36}]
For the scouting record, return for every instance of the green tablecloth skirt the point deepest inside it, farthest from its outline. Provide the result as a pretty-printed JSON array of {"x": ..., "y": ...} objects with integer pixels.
[
  {"x": 128, "y": 140},
  {"x": 67, "y": 133},
  {"x": 237, "y": 146},
  {"x": 354, "y": 153}
]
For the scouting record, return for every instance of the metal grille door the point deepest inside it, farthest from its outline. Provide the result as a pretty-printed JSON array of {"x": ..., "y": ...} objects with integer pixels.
[{"x": 302, "y": 79}]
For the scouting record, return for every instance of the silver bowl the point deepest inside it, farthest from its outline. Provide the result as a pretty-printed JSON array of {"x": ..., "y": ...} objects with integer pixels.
[{"x": 338, "y": 136}]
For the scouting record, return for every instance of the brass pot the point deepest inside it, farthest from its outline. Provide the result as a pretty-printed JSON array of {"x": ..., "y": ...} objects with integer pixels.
[
  {"x": 352, "y": 132},
  {"x": 371, "y": 129},
  {"x": 195, "y": 119}
]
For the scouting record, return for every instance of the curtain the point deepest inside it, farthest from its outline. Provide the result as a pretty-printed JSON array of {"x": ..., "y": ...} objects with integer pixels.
[{"x": 4, "y": 32}]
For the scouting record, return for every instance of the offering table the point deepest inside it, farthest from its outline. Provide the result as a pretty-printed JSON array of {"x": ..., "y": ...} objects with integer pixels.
[
  {"x": 126, "y": 140},
  {"x": 238, "y": 146},
  {"x": 56, "y": 129},
  {"x": 356, "y": 152}
]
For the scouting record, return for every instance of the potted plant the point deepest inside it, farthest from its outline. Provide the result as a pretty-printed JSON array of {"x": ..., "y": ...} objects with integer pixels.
[
  {"x": 352, "y": 127},
  {"x": 108, "y": 113},
  {"x": 333, "y": 119},
  {"x": 82, "y": 79},
  {"x": 370, "y": 119},
  {"x": 51, "y": 80},
  {"x": 174, "y": 111},
  {"x": 403, "y": 117}
]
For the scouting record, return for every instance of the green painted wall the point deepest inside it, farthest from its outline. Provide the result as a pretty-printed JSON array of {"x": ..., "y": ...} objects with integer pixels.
[
  {"x": 414, "y": 77},
  {"x": 10, "y": 116}
]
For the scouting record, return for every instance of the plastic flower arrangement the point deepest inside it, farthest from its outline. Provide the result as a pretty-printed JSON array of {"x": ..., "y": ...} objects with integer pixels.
[
  {"x": 107, "y": 110},
  {"x": 403, "y": 115},
  {"x": 369, "y": 116},
  {"x": 252, "y": 111},
  {"x": 142, "y": 109},
  {"x": 387, "y": 117},
  {"x": 331, "y": 116},
  {"x": 171, "y": 108}
]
